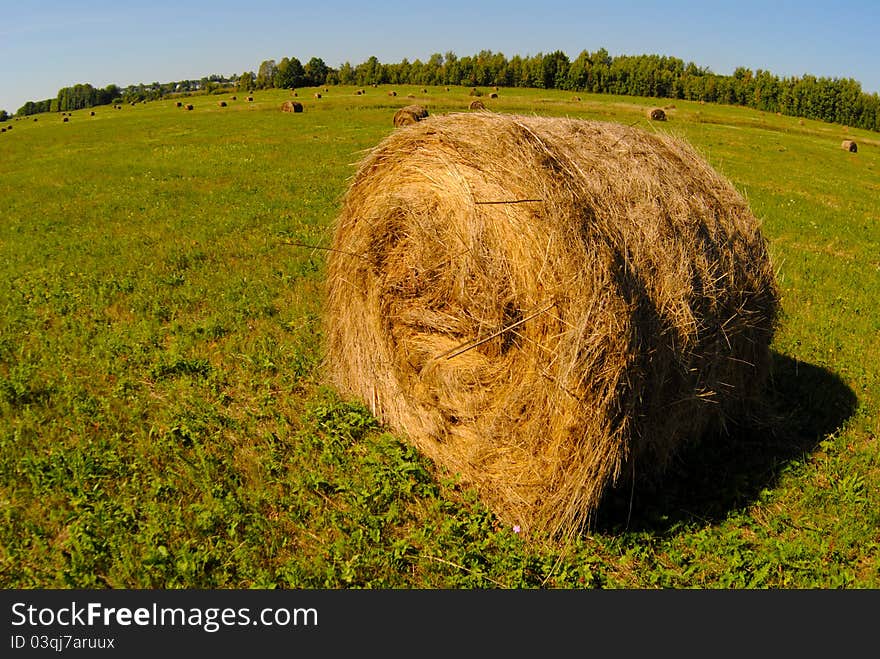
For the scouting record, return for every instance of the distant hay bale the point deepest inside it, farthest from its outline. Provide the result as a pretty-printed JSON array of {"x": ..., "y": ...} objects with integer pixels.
[
  {"x": 291, "y": 106},
  {"x": 392, "y": 93},
  {"x": 409, "y": 114},
  {"x": 235, "y": 98},
  {"x": 222, "y": 104},
  {"x": 250, "y": 99},
  {"x": 575, "y": 98},
  {"x": 66, "y": 119},
  {"x": 656, "y": 114},
  {"x": 477, "y": 104},
  {"x": 424, "y": 91},
  {"x": 92, "y": 113},
  {"x": 410, "y": 95},
  {"x": 178, "y": 104},
  {"x": 493, "y": 95},
  {"x": 317, "y": 94},
  {"x": 188, "y": 106},
  {"x": 546, "y": 307},
  {"x": 849, "y": 145}
]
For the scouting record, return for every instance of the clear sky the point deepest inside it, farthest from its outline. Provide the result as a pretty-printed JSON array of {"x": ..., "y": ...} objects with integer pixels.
[{"x": 49, "y": 44}]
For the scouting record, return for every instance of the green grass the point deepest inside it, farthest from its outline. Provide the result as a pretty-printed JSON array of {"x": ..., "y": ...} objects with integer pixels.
[{"x": 163, "y": 422}]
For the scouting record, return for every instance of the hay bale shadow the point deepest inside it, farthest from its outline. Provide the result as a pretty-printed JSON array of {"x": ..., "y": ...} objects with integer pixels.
[{"x": 711, "y": 478}]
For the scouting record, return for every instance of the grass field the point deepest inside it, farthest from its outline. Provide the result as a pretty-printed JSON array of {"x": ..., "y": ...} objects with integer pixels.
[{"x": 163, "y": 419}]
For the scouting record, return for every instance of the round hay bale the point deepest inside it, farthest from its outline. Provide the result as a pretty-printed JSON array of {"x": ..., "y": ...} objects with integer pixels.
[
  {"x": 546, "y": 306},
  {"x": 493, "y": 95},
  {"x": 656, "y": 114},
  {"x": 409, "y": 115},
  {"x": 235, "y": 98},
  {"x": 250, "y": 99},
  {"x": 188, "y": 106},
  {"x": 66, "y": 119},
  {"x": 92, "y": 113},
  {"x": 849, "y": 145},
  {"x": 392, "y": 93},
  {"x": 575, "y": 98},
  {"x": 477, "y": 104},
  {"x": 222, "y": 104},
  {"x": 178, "y": 104},
  {"x": 317, "y": 94},
  {"x": 291, "y": 106}
]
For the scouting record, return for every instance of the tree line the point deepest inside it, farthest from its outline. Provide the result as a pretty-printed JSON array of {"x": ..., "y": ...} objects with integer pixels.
[{"x": 838, "y": 100}]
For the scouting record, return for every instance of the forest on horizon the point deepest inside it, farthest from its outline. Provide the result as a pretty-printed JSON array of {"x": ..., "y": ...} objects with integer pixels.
[{"x": 836, "y": 100}]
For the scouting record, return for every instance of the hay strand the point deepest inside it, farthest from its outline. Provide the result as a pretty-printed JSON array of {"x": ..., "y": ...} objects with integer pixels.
[{"x": 545, "y": 352}]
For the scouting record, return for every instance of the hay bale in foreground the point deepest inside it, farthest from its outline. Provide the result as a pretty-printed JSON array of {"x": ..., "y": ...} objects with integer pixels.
[
  {"x": 545, "y": 306},
  {"x": 656, "y": 114},
  {"x": 409, "y": 114},
  {"x": 291, "y": 106},
  {"x": 849, "y": 145}
]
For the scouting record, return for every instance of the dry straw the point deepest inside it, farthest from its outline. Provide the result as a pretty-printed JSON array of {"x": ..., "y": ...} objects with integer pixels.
[
  {"x": 291, "y": 106},
  {"x": 409, "y": 114},
  {"x": 546, "y": 307}
]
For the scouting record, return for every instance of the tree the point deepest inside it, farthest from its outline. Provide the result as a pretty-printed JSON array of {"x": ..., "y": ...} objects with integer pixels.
[
  {"x": 296, "y": 75},
  {"x": 246, "y": 81},
  {"x": 554, "y": 70},
  {"x": 4, "y": 115},
  {"x": 315, "y": 72},
  {"x": 265, "y": 74}
]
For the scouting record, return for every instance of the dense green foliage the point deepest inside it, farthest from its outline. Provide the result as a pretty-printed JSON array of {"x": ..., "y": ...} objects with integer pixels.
[
  {"x": 837, "y": 100},
  {"x": 164, "y": 421}
]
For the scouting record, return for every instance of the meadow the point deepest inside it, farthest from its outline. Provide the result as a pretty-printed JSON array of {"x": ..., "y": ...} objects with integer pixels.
[{"x": 165, "y": 422}]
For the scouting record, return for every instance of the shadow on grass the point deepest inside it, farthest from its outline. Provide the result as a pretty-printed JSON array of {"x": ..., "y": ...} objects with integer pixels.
[{"x": 708, "y": 480}]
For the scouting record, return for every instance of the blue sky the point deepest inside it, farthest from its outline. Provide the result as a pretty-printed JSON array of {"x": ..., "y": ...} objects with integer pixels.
[{"x": 48, "y": 44}]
